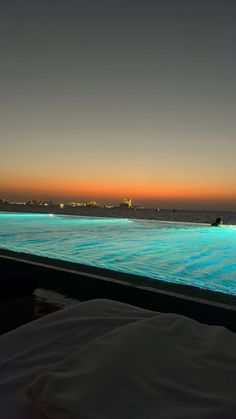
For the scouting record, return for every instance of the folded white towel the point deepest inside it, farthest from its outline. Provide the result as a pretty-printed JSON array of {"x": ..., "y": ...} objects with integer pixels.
[{"x": 165, "y": 367}]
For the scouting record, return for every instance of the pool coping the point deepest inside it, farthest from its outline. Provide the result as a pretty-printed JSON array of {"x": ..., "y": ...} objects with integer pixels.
[{"x": 88, "y": 282}]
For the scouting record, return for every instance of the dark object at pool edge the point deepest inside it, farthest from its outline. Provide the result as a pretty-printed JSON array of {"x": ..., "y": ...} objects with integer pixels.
[{"x": 218, "y": 221}]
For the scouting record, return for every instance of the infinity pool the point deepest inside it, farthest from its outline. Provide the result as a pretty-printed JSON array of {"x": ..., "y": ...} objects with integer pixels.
[{"x": 190, "y": 254}]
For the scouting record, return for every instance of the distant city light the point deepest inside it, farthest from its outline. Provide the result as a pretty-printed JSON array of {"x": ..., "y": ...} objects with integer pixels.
[{"x": 126, "y": 203}]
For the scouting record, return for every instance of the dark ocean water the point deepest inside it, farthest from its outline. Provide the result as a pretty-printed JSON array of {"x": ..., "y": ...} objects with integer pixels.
[{"x": 228, "y": 217}]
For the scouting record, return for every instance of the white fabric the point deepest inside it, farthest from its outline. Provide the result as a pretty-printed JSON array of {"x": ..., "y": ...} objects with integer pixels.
[
  {"x": 164, "y": 367},
  {"x": 37, "y": 347},
  {"x": 108, "y": 360}
]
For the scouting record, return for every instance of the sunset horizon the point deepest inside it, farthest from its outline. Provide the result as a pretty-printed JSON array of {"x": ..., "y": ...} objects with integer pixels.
[
  {"x": 150, "y": 194},
  {"x": 180, "y": 203},
  {"x": 106, "y": 101},
  {"x": 164, "y": 195}
]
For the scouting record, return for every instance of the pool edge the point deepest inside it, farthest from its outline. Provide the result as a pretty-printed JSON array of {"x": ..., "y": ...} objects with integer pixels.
[{"x": 88, "y": 282}]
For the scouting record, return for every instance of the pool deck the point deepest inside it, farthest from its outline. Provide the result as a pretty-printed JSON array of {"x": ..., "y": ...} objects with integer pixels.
[{"x": 88, "y": 282}]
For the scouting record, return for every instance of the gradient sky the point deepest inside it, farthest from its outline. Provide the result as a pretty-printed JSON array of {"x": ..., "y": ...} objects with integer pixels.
[{"x": 106, "y": 99}]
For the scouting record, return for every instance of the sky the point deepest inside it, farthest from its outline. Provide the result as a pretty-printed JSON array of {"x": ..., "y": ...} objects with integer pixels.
[{"x": 111, "y": 99}]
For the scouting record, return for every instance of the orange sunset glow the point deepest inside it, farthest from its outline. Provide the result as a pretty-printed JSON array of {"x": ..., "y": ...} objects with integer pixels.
[
  {"x": 112, "y": 105},
  {"x": 110, "y": 191}
]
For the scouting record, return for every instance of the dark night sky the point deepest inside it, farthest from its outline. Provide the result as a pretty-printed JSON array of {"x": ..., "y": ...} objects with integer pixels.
[{"x": 107, "y": 99}]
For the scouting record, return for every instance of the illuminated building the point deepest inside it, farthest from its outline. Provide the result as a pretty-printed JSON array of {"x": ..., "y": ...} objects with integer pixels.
[{"x": 127, "y": 203}]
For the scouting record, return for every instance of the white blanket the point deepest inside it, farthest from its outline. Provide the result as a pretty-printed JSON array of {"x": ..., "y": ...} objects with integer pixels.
[
  {"x": 39, "y": 346},
  {"x": 165, "y": 367},
  {"x": 107, "y": 360}
]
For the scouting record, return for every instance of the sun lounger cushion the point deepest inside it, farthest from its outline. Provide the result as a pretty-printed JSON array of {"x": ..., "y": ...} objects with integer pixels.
[
  {"x": 108, "y": 360},
  {"x": 166, "y": 366}
]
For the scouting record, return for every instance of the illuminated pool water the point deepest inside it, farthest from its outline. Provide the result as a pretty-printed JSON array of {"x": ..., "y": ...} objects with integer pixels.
[{"x": 189, "y": 254}]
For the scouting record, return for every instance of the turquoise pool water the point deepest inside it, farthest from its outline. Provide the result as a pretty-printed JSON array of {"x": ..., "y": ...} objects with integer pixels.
[{"x": 190, "y": 254}]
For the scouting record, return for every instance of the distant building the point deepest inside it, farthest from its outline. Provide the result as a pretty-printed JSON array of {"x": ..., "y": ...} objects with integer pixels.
[
  {"x": 70, "y": 204},
  {"x": 92, "y": 204},
  {"x": 127, "y": 203},
  {"x": 17, "y": 203},
  {"x": 34, "y": 202},
  {"x": 39, "y": 202},
  {"x": 47, "y": 203},
  {"x": 80, "y": 204},
  {"x": 3, "y": 202}
]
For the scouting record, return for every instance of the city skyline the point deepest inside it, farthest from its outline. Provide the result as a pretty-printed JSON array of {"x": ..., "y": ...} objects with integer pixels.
[
  {"x": 102, "y": 100},
  {"x": 113, "y": 203}
]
